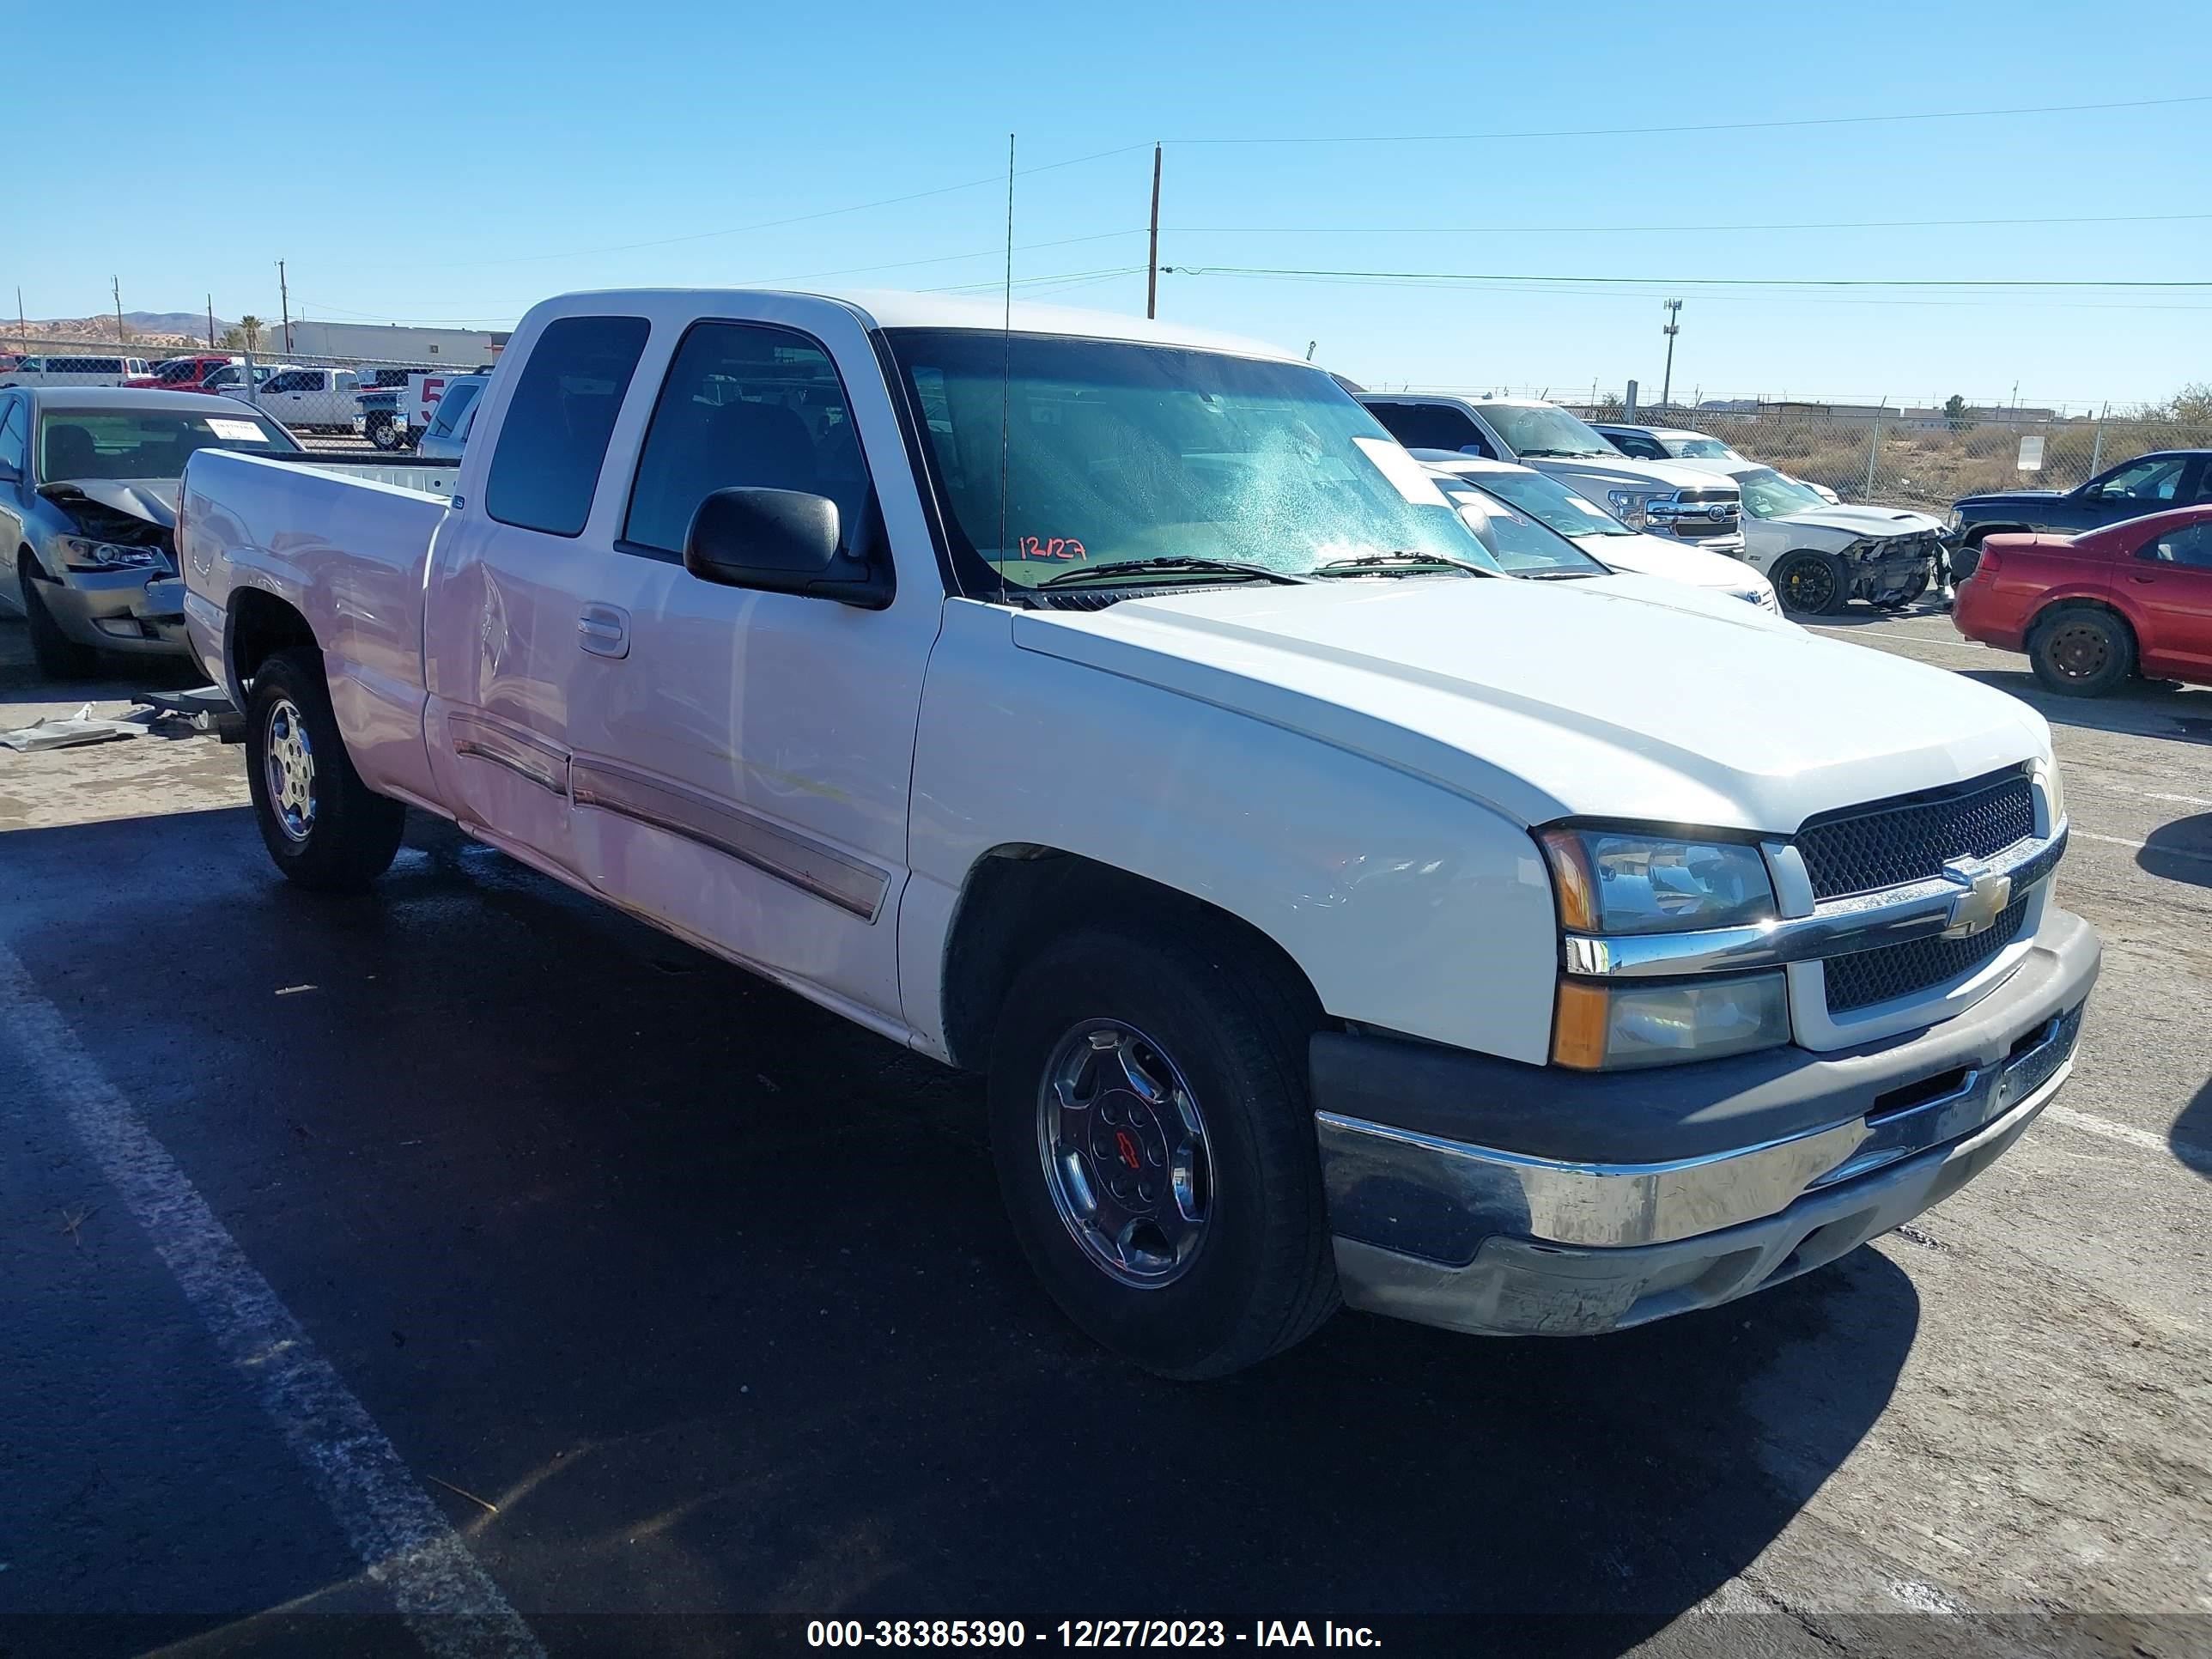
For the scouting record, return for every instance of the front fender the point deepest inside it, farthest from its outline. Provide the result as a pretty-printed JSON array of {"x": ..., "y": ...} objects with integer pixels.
[{"x": 1408, "y": 907}]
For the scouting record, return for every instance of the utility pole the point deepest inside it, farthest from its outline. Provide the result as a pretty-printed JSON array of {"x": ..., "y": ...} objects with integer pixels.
[
  {"x": 210, "y": 322},
  {"x": 22, "y": 328},
  {"x": 115, "y": 287},
  {"x": 1152, "y": 266},
  {"x": 1674, "y": 309},
  {"x": 284, "y": 305}
]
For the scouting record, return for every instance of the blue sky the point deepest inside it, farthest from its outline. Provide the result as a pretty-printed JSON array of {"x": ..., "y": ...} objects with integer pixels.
[{"x": 460, "y": 165}]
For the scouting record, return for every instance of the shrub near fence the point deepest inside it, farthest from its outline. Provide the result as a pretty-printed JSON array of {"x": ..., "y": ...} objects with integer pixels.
[{"x": 1929, "y": 467}]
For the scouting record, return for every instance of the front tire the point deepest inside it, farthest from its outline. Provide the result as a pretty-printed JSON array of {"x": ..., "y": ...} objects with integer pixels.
[
  {"x": 1154, "y": 1141},
  {"x": 324, "y": 827},
  {"x": 1812, "y": 584},
  {"x": 58, "y": 656},
  {"x": 2079, "y": 651}
]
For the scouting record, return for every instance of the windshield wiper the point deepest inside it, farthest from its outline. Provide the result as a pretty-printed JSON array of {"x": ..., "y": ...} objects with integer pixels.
[
  {"x": 1399, "y": 561},
  {"x": 1560, "y": 575},
  {"x": 1565, "y": 454},
  {"x": 1116, "y": 570}
]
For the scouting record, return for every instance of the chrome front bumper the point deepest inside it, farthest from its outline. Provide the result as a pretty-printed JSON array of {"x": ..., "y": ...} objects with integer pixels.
[{"x": 1785, "y": 1163}]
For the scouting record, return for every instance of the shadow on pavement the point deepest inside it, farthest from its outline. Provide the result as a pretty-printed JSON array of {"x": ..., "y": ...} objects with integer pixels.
[
  {"x": 2180, "y": 851},
  {"x": 2190, "y": 1136},
  {"x": 117, "y": 679},
  {"x": 2139, "y": 710},
  {"x": 711, "y": 1294}
]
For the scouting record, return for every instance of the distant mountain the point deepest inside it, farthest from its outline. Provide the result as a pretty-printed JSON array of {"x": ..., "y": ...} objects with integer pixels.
[{"x": 146, "y": 328}]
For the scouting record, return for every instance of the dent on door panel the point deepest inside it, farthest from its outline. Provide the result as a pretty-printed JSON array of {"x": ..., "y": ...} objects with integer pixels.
[{"x": 823, "y": 871}]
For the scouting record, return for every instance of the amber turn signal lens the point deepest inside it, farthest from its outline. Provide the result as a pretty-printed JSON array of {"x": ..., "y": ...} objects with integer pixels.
[
  {"x": 1578, "y": 1025},
  {"x": 1572, "y": 879}
]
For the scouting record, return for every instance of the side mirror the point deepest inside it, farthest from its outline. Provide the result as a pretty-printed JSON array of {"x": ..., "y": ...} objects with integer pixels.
[
  {"x": 779, "y": 541},
  {"x": 10, "y": 473}
]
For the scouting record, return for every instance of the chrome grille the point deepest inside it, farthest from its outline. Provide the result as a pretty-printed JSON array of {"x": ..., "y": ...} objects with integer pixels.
[
  {"x": 1867, "y": 977},
  {"x": 1910, "y": 839}
]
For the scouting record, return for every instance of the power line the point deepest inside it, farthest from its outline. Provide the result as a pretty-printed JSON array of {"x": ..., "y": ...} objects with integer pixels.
[
  {"x": 1644, "y": 230},
  {"x": 1955, "y": 283},
  {"x": 1702, "y": 126}
]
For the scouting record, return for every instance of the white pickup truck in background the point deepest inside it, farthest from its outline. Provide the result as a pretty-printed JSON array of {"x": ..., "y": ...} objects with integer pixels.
[{"x": 1122, "y": 713}]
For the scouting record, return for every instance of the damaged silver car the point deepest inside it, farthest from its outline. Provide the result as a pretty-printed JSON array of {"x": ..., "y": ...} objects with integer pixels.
[{"x": 90, "y": 479}]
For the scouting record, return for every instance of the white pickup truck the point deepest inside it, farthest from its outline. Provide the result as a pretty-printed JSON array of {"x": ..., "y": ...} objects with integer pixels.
[{"x": 1122, "y": 713}]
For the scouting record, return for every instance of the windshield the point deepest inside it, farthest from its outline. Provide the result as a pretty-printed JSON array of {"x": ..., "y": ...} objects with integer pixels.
[
  {"x": 1111, "y": 452},
  {"x": 107, "y": 443},
  {"x": 1696, "y": 448},
  {"x": 1518, "y": 543},
  {"x": 1768, "y": 494},
  {"x": 1549, "y": 501},
  {"x": 1542, "y": 429},
  {"x": 460, "y": 396}
]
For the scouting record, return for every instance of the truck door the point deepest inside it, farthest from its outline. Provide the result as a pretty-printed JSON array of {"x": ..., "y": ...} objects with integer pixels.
[
  {"x": 511, "y": 579},
  {"x": 740, "y": 760}
]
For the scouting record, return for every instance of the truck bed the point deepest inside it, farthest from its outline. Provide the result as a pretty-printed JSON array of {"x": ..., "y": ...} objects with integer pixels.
[{"x": 346, "y": 546}]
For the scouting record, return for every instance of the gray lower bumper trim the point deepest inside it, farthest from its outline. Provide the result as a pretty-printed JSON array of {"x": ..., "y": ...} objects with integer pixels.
[{"x": 1520, "y": 1287}]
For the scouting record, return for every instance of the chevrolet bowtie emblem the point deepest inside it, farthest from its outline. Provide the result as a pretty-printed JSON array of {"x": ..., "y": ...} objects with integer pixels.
[{"x": 1977, "y": 909}]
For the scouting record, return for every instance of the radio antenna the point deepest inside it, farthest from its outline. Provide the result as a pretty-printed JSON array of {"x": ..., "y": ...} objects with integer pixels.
[{"x": 1006, "y": 371}]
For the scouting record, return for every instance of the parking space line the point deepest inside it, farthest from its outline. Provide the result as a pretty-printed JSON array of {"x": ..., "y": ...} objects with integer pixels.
[
  {"x": 2141, "y": 846},
  {"x": 402, "y": 1539},
  {"x": 2191, "y": 1155}
]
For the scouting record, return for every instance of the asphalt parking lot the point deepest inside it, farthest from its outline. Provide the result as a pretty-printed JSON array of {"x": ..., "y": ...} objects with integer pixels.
[{"x": 469, "y": 1236}]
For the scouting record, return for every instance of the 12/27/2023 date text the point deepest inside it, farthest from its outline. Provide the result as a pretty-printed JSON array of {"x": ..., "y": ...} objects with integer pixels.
[{"x": 1084, "y": 1633}]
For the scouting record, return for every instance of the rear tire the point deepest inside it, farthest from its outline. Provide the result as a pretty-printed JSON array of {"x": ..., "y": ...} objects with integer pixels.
[
  {"x": 2079, "y": 651},
  {"x": 1162, "y": 1076},
  {"x": 323, "y": 826},
  {"x": 58, "y": 656},
  {"x": 1812, "y": 584}
]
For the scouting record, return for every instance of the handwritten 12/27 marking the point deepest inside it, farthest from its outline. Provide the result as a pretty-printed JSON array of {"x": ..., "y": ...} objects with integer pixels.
[{"x": 1053, "y": 547}]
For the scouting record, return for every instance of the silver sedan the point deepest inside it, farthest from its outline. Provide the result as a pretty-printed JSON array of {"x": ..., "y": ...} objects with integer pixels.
[{"x": 89, "y": 478}]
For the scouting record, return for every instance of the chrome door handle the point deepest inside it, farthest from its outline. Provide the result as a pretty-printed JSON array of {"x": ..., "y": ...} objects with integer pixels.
[{"x": 604, "y": 630}]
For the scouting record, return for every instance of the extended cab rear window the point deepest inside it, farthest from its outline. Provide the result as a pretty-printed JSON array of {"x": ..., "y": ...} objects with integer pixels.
[{"x": 554, "y": 438}]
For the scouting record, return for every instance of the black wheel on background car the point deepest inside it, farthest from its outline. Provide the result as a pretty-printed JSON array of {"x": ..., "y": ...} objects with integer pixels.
[
  {"x": 58, "y": 656},
  {"x": 2081, "y": 651},
  {"x": 1154, "y": 1141},
  {"x": 324, "y": 827},
  {"x": 384, "y": 434},
  {"x": 1811, "y": 584}
]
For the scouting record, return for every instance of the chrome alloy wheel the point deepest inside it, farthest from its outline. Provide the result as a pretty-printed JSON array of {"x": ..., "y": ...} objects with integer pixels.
[
  {"x": 1125, "y": 1154},
  {"x": 289, "y": 768}
]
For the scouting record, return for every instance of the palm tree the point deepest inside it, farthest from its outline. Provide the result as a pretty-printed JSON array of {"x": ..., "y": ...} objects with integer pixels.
[{"x": 251, "y": 325}]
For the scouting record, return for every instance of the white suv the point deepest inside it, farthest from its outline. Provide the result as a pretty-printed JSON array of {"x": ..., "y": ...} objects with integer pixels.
[{"x": 74, "y": 371}]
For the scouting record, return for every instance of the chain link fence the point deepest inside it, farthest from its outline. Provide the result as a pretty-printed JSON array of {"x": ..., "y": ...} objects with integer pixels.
[
  {"x": 326, "y": 402},
  {"x": 1922, "y": 459}
]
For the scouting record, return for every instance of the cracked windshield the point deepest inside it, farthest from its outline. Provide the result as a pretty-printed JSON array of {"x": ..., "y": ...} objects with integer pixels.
[{"x": 1112, "y": 453}]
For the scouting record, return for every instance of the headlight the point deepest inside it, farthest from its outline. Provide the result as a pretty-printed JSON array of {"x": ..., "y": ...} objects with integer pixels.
[
  {"x": 1629, "y": 505},
  {"x": 81, "y": 553},
  {"x": 1956, "y": 518},
  {"x": 1615, "y": 881},
  {"x": 1602, "y": 1026}
]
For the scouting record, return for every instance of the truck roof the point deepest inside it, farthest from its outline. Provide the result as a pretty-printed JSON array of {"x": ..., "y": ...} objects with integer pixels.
[{"x": 890, "y": 308}]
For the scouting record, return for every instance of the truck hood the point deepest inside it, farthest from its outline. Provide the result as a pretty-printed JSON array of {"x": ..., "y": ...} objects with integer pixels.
[
  {"x": 1620, "y": 697},
  {"x": 1620, "y": 470},
  {"x": 2008, "y": 497}
]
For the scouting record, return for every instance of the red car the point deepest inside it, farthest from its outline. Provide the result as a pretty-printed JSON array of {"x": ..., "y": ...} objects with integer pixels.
[
  {"x": 181, "y": 373},
  {"x": 2092, "y": 609}
]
